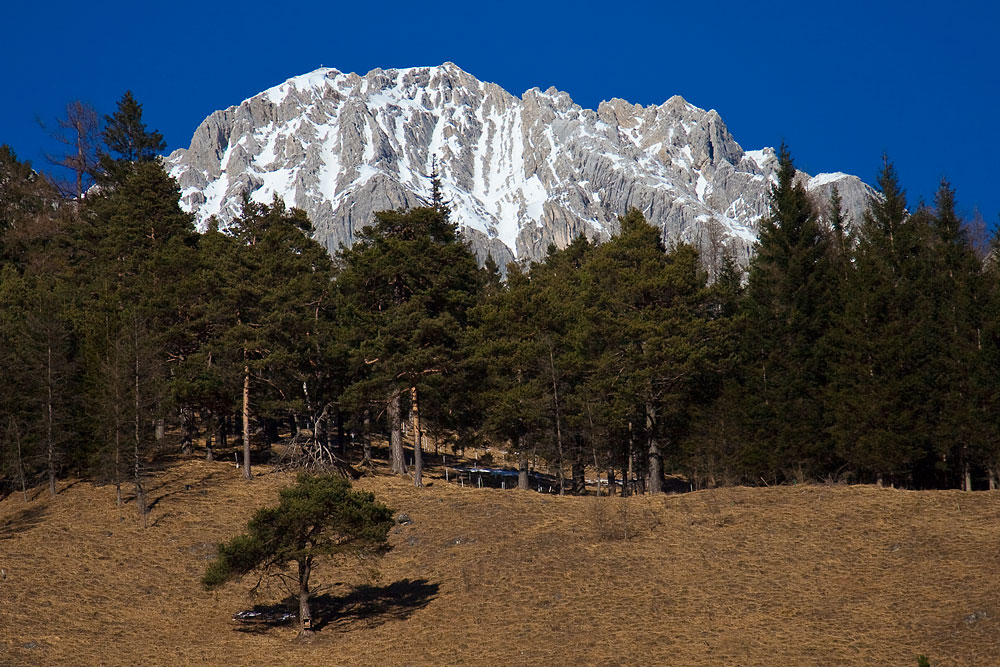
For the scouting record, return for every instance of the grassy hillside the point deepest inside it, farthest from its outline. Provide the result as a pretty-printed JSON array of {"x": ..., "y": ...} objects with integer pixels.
[{"x": 736, "y": 576}]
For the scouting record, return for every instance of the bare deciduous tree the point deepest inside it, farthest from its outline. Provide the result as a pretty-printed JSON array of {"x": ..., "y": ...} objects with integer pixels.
[{"x": 79, "y": 131}]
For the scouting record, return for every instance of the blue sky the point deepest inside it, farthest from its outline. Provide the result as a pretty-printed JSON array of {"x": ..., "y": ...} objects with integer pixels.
[{"x": 841, "y": 83}]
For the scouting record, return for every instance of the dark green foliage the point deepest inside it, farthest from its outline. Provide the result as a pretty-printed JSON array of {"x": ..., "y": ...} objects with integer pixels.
[
  {"x": 276, "y": 291},
  {"x": 506, "y": 348},
  {"x": 26, "y": 198},
  {"x": 127, "y": 140},
  {"x": 17, "y": 181},
  {"x": 548, "y": 337},
  {"x": 37, "y": 348},
  {"x": 599, "y": 353},
  {"x": 873, "y": 424},
  {"x": 130, "y": 244},
  {"x": 319, "y": 516},
  {"x": 125, "y": 133},
  {"x": 788, "y": 314},
  {"x": 961, "y": 432},
  {"x": 406, "y": 287},
  {"x": 987, "y": 380},
  {"x": 662, "y": 344}
]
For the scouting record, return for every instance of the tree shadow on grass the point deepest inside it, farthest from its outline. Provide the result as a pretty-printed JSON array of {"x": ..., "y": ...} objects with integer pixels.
[
  {"x": 369, "y": 606},
  {"x": 372, "y": 605},
  {"x": 209, "y": 480},
  {"x": 21, "y": 521}
]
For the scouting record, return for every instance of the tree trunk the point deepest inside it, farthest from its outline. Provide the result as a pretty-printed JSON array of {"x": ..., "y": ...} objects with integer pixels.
[
  {"x": 555, "y": 402},
  {"x": 118, "y": 465},
  {"x": 305, "y": 613},
  {"x": 593, "y": 449},
  {"x": 341, "y": 435},
  {"x": 222, "y": 432},
  {"x": 418, "y": 454},
  {"x": 246, "y": 420},
  {"x": 522, "y": 465},
  {"x": 20, "y": 460},
  {"x": 187, "y": 431},
  {"x": 628, "y": 469},
  {"x": 967, "y": 476},
  {"x": 321, "y": 429},
  {"x": 210, "y": 420},
  {"x": 579, "y": 480},
  {"x": 398, "y": 462},
  {"x": 269, "y": 428},
  {"x": 597, "y": 469},
  {"x": 140, "y": 494},
  {"x": 49, "y": 423},
  {"x": 655, "y": 483},
  {"x": 366, "y": 441}
]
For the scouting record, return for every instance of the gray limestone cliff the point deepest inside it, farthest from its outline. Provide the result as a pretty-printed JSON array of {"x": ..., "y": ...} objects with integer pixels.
[{"x": 519, "y": 173}]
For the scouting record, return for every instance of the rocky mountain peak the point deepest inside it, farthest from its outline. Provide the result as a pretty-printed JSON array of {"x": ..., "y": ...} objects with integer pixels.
[{"x": 520, "y": 173}]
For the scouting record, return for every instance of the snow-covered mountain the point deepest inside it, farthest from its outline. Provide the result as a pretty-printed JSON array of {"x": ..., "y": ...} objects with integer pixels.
[{"x": 520, "y": 173}]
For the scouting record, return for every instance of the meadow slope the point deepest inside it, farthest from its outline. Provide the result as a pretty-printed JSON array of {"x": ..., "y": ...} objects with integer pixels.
[{"x": 798, "y": 575}]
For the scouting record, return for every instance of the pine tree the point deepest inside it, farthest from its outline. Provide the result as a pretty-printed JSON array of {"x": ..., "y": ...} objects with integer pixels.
[
  {"x": 407, "y": 285},
  {"x": 277, "y": 288},
  {"x": 319, "y": 517},
  {"x": 661, "y": 345},
  {"x": 559, "y": 333},
  {"x": 503, "y": 341}
]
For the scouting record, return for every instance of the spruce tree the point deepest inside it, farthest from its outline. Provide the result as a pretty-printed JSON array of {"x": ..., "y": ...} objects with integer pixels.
[
  {"x": 130, "y": 245},
  {"x": 787, "y": 321},
  {"x": 987, "y": 380},
  {"x": 882, "y": 423},
  {"x": 955, "y": 277},
  {"x": 126, "y": 140}
]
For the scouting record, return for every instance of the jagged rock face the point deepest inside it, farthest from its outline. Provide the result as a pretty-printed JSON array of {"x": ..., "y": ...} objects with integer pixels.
[{"x": 519, "y": 174}]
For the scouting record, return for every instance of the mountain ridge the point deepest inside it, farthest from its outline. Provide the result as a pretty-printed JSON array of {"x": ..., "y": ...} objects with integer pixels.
[{"x": 521, "y": 173}]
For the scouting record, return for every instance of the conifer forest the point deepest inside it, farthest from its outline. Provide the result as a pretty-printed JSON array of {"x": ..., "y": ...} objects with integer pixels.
[{"x": 856, "y": 350}]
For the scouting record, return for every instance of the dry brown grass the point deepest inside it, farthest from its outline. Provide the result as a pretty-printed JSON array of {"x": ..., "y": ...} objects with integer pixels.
[{"x": 738, "y": 576}]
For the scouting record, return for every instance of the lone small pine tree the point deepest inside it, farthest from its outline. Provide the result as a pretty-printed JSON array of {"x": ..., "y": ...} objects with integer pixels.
[{"x": 319, "y": 516}]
